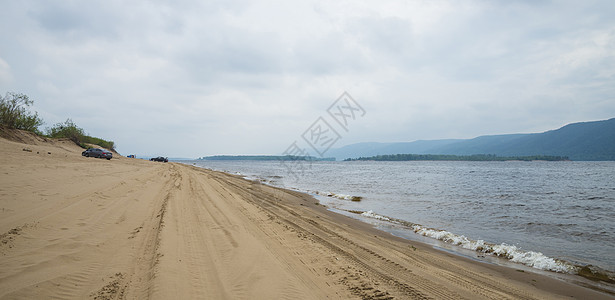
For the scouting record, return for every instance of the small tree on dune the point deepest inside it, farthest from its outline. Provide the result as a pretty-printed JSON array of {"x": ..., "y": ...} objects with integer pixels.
[
  {"x": 69, "y": 130},
  {"x": 13, "y": 113}
]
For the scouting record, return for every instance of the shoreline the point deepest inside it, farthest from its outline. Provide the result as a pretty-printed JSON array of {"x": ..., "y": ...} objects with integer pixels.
[
  {"x": 556, "y": 282},
  {"x": 485, "y": 255},
  {"x": 502, "y": 254},
  {"x": 76, "y": 227},
  {"x": 376, "y": 223}
]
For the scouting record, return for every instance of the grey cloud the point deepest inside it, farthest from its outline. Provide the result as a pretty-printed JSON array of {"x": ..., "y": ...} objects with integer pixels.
[
  {"x": 72, "y": 22},
  {"x": 390, "y": 35},
  {"x": 250, "y": 76}
]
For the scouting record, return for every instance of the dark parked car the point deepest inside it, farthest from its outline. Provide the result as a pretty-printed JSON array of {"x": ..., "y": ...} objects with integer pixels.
[
  {"x": 98, "y": 153},
  {"x": 159, "y": 158}
]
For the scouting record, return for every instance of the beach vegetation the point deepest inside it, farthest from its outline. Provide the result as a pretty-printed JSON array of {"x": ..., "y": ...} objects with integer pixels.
[
  {"x": 14, "y": 113},
  {"x": 68, "y": 129}
]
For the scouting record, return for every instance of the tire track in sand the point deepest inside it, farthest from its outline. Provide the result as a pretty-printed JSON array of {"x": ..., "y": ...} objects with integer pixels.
[
  {"x": 137, "y": 284},
  {"x": 311, "y": 229}
]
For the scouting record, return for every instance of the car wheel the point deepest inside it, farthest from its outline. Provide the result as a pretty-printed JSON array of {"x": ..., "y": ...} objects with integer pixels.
[
  {"x": 108, "y": 158},
  {"x": 87, "y": 155}
]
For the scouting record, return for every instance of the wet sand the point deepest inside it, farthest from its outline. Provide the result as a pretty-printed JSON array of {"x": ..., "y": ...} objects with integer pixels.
[{"x": 75, "y": 228}]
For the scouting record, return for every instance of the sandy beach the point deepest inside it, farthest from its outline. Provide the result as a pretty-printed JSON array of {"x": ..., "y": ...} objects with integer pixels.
[{"x": 73, "y": 227}]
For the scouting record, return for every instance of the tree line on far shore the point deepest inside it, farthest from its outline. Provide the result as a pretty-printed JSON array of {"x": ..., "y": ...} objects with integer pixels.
[
  {"x": 474, "y": 157},
  {"x": 14, "y": 114},
  {"x": 266, "y": 157}
]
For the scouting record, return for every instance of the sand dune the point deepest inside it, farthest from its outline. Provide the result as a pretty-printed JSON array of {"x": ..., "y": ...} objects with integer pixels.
[{"x": 75, "y": 228}]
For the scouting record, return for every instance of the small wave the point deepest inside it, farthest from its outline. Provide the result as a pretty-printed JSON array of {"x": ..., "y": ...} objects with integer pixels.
[
  {"x": 511, "y": 252},
  {"x": 371, "y": 214},
  {"x": 529, "y": 258},
  {"x": 340, "y": 196}
]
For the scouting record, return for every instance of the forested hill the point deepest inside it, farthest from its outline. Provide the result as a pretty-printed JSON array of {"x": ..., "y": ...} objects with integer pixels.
[
  {"x": 473, "y": 157},
  {"x": 578, "y": 141}
]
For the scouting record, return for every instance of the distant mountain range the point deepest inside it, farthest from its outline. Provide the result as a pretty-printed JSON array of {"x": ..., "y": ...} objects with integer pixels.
[{"x": 578, "y": 141}]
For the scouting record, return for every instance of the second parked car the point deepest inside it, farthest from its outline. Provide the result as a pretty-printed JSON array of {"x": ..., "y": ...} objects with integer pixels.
[
  {"x": 160, "y": 159},
  {"x": 98, "y": 153}
]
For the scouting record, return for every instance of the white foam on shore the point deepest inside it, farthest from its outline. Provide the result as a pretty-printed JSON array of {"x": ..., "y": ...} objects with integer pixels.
[
  {"x": 371, "y": 214},
  {"x": 529, "y": 258},
  {"x": 342, "y": 196},
  {"x": 338, "y": 196}
]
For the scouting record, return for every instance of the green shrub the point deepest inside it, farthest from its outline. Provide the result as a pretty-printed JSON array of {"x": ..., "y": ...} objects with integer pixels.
[
  {"x": 100, "y": 142},
  {"x": 70, "y": 130},
  {"x": 13, "y": 113},
  {"x": 67, "y": 130}
]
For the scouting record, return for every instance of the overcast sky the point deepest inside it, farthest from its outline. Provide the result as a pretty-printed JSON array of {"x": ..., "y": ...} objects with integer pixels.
[{"x": 192, "y": 78}]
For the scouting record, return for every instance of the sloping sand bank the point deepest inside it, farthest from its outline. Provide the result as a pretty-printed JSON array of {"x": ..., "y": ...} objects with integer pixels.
[{"x": 76, "y": 228}]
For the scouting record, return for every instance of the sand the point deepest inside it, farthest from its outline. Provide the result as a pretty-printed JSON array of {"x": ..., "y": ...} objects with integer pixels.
[{"x": 76, "y": 228}]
